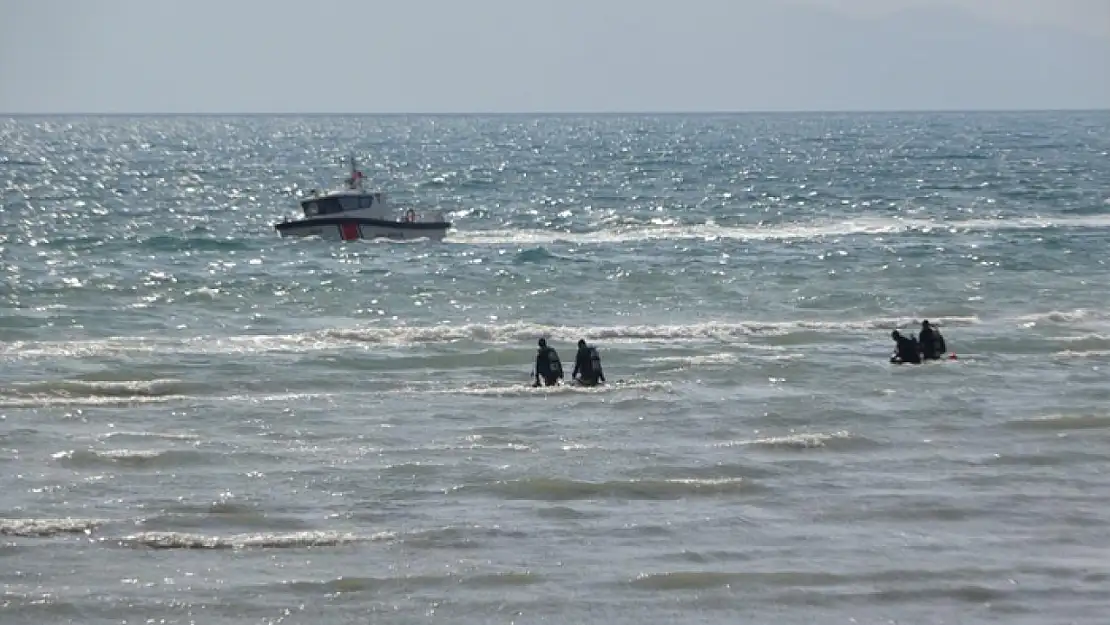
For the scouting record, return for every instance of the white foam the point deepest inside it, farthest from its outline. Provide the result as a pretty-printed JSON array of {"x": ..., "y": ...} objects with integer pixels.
[
  {"x": 44, "y": 401},
  {"x": 798, "y": 440},
  {"x": 765, "y": 232},
  {"x": 502, "y": 390},
  {"x": 403, "y": 335},
  {"x": 159, "y": 435},
  {"x": 696, "y": 361},
  {"x": 1069, "y": 354},
  {"x": 182, "y": 540},
  {"x": 48, "y": 527},
  {"x": 1062, "y": 316},
  {"x": 99, "y": 388},
  {"x": 115, "y": 454}
]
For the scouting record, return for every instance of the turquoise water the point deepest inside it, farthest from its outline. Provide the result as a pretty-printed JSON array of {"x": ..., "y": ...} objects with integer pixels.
[{"x": 201, "y": 421}]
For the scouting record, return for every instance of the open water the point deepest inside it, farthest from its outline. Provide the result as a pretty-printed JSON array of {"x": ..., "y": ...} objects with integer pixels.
[{"x": 201, "y": 422}]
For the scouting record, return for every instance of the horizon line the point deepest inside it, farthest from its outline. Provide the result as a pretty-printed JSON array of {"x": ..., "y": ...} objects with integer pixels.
[{"x": 556, "y": 113}]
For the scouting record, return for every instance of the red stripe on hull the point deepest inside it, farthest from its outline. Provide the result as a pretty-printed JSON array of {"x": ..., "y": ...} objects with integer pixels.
[{"x": 348, "y": 230}]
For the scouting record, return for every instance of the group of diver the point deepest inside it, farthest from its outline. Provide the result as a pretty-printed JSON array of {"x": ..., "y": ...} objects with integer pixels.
[
  {"x": 549, "y": 369},
  {"x": 927, "y": 345}
]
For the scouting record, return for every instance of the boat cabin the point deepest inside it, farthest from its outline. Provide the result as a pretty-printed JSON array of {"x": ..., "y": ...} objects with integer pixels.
[
  {"x": 351, "y": 197},
  {"x": 342, "y": 202}
]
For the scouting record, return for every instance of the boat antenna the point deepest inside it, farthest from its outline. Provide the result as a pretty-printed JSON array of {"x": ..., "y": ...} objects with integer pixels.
[{"x": 354, "y": 181}]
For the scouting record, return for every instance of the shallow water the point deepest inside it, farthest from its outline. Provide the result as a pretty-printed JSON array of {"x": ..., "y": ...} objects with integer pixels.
[{"x": 202, "y": 422}]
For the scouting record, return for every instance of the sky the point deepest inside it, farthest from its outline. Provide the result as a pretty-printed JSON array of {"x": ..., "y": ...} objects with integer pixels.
[{"x": 487, "y": 56}]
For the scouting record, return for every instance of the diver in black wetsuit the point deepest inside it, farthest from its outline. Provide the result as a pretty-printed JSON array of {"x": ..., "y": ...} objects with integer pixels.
[
  {"x": 932, "y": 343},
  {"x": 548, "y": 366},
  {"x": 906, "y": 349},
  {"x": 587, "y": 363}
]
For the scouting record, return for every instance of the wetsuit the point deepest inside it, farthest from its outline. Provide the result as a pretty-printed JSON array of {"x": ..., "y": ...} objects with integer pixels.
[
  {"x": 932, "y": 345},
  {"x": 906, "y": 351},
  {"x": 587, "y": 362},
  {"x": 548, "y": 366}
]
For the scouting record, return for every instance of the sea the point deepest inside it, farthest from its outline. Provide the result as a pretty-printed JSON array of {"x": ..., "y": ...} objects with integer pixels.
[{"x": 204, "y": 422}]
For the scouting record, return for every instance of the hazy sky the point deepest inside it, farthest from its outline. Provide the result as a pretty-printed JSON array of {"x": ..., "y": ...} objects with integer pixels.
[{"x": 551, "y": 55}]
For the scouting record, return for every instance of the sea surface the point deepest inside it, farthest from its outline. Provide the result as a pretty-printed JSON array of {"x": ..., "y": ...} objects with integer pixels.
[{"x": 202, "y": 422}]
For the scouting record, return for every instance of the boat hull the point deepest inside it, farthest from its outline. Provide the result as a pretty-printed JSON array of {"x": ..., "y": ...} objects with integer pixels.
[{"x": 354, "y": 228}]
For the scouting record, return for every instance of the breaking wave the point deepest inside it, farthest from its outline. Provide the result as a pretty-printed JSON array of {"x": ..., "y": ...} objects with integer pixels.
[
  {"x": 523, "y": 389},
  {"x": 400, "y": 335},
  {"x": 836, "y": 440},
  {"x": 182, "y": 540},
  {"x": 560, "y": 489},
  {"x": 130, "y": 457},
  {"x": 47, "y": 527},
  {"x": 773, "y": 232}
]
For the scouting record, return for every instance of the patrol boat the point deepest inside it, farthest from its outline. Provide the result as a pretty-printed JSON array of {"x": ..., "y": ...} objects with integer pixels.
[{"x": 351, "y": 213}]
